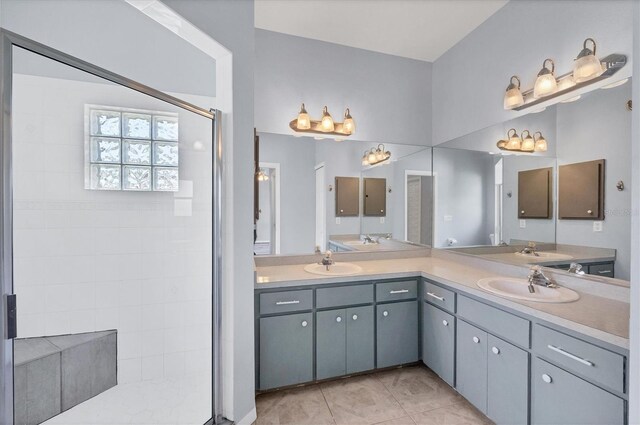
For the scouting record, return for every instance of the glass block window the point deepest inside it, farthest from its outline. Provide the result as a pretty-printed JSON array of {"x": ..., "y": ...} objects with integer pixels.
[{"x": 131, "y": 149}]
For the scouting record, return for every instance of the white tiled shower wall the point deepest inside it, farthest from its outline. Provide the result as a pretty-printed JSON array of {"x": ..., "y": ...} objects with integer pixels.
[{"x": 90, "y": 260}]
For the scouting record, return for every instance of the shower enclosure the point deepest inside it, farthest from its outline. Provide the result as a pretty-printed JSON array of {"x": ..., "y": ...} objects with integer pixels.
[{"x": 110, "y": 257}]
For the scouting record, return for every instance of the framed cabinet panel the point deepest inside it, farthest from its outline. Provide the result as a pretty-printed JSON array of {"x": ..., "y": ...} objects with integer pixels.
[
  {"x": 331, "y": 350},
  {"x": 347, "y": 196},
  {"x": 375, "y": 197},
  {"x": 581, "y": 191},
  {"x": 438, "y": 341},
  {"x": 534, "y": 193},
  {"x": 360, "y": 339},
  {"x": 397, "y": 333},
  {"x": 471, "y": 364}
]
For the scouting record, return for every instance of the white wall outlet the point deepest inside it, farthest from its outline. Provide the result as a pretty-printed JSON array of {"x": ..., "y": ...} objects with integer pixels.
[
  {"x": 523, "y": 224},
  {"x": 597, "y": 226},
  {"x": 381, "y": 220},
  {"x": 448, "y": 218},
  {"x": 337, "y": 220}
]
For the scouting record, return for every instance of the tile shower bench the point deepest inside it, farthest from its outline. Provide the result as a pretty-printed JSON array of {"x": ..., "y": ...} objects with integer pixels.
[{"x": 52, "y": 374}]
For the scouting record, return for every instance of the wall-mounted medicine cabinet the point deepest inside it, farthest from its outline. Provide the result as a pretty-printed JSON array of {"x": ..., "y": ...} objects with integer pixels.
[
  {"x": 375, "y": 197},
  {"x": 347, "y": 196},
  {"x": 534, "y": 193},
  {"x": 581, "y": 191}
]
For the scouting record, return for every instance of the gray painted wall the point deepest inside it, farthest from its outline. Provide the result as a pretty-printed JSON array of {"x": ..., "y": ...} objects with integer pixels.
[
  {"x": 389, "y": 96},
  {"x": 470, "y": 78}
]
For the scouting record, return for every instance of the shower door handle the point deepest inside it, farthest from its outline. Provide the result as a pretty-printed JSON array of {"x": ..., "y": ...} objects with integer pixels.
[{"x": 12, "y": 316}]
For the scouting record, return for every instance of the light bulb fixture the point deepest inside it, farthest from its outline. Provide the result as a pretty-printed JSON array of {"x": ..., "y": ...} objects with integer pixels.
[
  {"x": 375, "y": 156},
  {"x": 587, "y": 65},
  {"x": 325, "y": 126},
  {"x": 349, "y": 125},
  {"x": 546, "y": 83},
  {"x": 587, "y": 69},
  {"x": 513, "y": 96},
  {"x": 528, "y": 144},
  {"x": 515, "y": 142},
  {"x": 304, "y": 122},
  {"x": 541, "y": 142}
]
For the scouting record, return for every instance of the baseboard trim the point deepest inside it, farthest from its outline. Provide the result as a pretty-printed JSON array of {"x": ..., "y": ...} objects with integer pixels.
[{"x": 249, "y": 418}]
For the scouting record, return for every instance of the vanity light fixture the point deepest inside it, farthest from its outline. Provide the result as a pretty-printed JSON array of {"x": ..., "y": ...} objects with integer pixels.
[
  {"x": 546, "y": 82},
  {"x": 513, "y": 96},
  {"x": 375, "y": 156},
  {"x": 526, "y": 144},
  {"x": 588, "y": 69},
  {"x": 541, "y": 142},
  {"x": 262, "y": 176},
  {"x": 326, "y": 126},
  {"x": 514, "y": 141}
]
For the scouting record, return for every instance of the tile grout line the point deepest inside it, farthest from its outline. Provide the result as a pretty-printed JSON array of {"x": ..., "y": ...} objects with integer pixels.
[
  {"x": 393, "y": 396},
  {"x": 333, "y": 418}
]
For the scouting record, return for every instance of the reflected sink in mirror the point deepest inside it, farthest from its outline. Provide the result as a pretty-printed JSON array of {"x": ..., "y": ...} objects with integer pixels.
[
  {"x": 336, "y": 269},
  {"x": 519, "y": 289},
  {"x": 546, "y": 256}
]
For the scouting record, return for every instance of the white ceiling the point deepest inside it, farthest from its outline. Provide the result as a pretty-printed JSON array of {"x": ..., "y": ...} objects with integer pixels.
[{"x": 417, "y": 29}]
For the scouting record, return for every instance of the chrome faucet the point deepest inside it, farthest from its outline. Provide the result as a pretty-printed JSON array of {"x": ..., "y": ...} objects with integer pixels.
[
  {"x": 368, "y": 239},
  {"x": 537, "y": 277},
  {"x": 530, "y": 249},
  {"x": 576, "y": 268},
  {"x": 327, "y": 260}
]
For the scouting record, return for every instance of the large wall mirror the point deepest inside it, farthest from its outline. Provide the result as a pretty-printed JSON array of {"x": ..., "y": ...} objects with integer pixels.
[
  {"x": 344, "y": 196},
  {"x": 569, "y": 204}
]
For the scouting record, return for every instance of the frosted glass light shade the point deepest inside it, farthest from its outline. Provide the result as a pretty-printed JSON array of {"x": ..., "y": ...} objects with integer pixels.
[
  {"x": 545, "y": 85},
  {"x": 327, "y": 121},
  {"x": 513, "y": 98},
  {"x": 514, "y": 143},
  {"x": 541, "y": 144},
  {"x": 565, "y": 83},
  {"x": 528, "y": 144},
  {"x": 349, "y": 126},
  {"x": 304, "y": 122},
  {"x": 586, "y": 68}
]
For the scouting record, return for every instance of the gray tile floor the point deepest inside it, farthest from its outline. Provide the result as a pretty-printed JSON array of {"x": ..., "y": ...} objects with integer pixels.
[{"x": 406, "y": 396}]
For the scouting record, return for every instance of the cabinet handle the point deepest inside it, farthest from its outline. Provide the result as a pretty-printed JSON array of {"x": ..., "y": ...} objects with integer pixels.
[
  {"x": 495, "y": 350},
  {"x": 476, "y": 339},
  {"x": 354, "y": 317},
  {"x": 399, "y": 291},
  {"x": 385, "y": 313},
  {"x": 546, "y": 378},
  {"x": 444, "y": 322},
  {"x": 432, "y": 295},
  {"x": 304, "y": 323},
  {"x": 338, "y": 319},
  {"x": 288, "y": 302},
  {"x": 568, "y": 354},
  {"x": 604, "y": 271}
]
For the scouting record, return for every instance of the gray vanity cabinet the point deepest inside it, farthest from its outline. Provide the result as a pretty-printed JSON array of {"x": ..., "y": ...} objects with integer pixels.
[
  {"x": 438, "y": 341},
  {"x": 286, "y": 350},
  {"x": 558, "y": 397},
  {"x": 471, "y": 364},
  {"x": 344, "y": 341},
  {"x": 397, "y": 333}
]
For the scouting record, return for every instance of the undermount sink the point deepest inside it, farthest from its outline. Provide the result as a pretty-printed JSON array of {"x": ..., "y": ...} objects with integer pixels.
[
  {"x": 546, "y": 255},
  {"x": 519, "y": 289},
  {"x": 336, "y": 269}
]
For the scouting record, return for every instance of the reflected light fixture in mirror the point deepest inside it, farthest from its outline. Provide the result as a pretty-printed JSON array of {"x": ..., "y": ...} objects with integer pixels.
[
  {"x": 546, "y": 83},
  {"x": 327, "y": 121},
  {"x": 513, "y": 96},
  {"x": 540, "y": 142},
  {"x": 528, "y": 144},
  {"x": 304, "y": 122},
  {"x": 375, "y": 156},
  {"x": 262, "y": 176},
  {"x": 587, "y": 65},
  {"x": 515, "y": 142}
]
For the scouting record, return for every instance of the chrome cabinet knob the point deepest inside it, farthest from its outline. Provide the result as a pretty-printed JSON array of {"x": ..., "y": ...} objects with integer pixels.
[
  {"x": 304, "y": 323},
  {"x": 589, "y": 212},
  {"x": 338, "y": 319},
  {"x": 385, "y": 313},
  {"x": 495, "y": 350},
  {"x": 546, "y": 378},
  {"x": 444, "y": 322},
  {"x": 522, "y": 212},
  {"x": 476, "y": 339},
  {"x": 355, "y": 317},
  {"x": 381, "y": 210},
  {"x": 341, "y": 210}
]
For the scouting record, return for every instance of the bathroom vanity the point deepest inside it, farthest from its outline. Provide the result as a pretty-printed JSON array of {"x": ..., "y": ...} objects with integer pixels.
[{"x": 516, "y": 361}]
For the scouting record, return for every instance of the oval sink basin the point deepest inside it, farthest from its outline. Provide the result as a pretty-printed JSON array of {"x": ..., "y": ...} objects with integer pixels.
[
  {"x": 546, "y": 256},
  {"x": 519, "y": 289},
  {"x": 336, "y": 269}
]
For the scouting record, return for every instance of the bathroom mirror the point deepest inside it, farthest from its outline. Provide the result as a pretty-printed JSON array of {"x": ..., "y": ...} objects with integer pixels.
[
  {"x": 301, "y": 178},
  {"x": 477, "y": 205}
]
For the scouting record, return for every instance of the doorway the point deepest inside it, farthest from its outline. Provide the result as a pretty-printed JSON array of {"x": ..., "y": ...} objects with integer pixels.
[
  {"x": 268, "y": 223},
  {"x": 418, "y": 207}
]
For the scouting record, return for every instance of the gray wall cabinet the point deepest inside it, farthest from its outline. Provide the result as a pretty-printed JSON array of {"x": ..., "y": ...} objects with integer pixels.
[
  {"x": 471, "y": 364},
  {"x": 286, "y": 350},
  {"x": 438, "y": 341},
  {"x": 397, "y": 333}
]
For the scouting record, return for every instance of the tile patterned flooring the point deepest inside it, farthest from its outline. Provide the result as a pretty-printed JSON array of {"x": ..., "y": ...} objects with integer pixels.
[{"x": 406, "y": 396}]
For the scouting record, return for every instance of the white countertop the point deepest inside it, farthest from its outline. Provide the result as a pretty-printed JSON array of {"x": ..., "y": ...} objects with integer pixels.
[{"x": 603, "y": 318}]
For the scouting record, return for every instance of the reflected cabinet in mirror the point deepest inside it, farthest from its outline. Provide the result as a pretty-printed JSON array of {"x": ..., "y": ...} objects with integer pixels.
[
  {"x": 316, "y": 195},
  {"x": 568, "y": 204}
]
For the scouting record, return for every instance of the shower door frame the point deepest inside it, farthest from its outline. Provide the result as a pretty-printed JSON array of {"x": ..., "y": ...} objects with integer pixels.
[{"x": 8, "y": 40}]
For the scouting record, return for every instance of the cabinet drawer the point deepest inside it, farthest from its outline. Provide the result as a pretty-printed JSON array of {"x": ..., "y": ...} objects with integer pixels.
[
  {"x": 498, "y": 322},
  {"x": 393, "y": 291},
  {"x": 344, "y": 296},
  {"x": 605, "y": 270},
  {"x": 439, "y": 296},
  {"x": 592, "y": 362},
  {"x": 287, "y": 301}
]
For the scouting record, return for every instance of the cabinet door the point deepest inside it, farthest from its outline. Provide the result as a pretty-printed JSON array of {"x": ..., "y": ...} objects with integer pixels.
[
  {"x": 347, "y": 196},
  {"x": 559, "y": 397},
  {"x": 397, "y": 333},
  {"x": 471, "y": 364},
  {"x": 508, "y": 387},
  {"x": 534, "y": 193},
  {"x": 438, "y": 338},
  {"x": 331, "y": 351},
  {"x": 581, "y": 190},
  {"x": 375, "y": 197},
  {"x": 360, "y": 339},
  {"x": 286, "y": 350}
]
